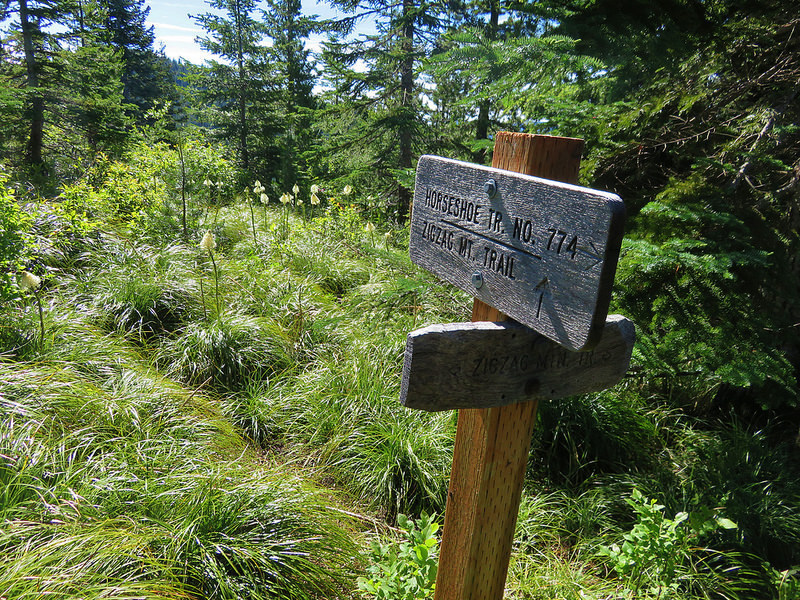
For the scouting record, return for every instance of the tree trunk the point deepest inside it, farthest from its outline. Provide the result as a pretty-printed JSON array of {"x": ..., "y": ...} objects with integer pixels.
[
  {"x": 243, "y": 129},
  {"x": 33, "y": 154},
  {"x": 482, "y": 125},
  {"x": 406, "y": 104}
]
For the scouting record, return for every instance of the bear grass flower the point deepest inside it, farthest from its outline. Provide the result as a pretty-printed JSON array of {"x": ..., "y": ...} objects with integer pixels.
[
  {"x": 295, "y": 189},
  {"x": 314, "y": 199},
  {"x": 264, "y": 198},
  {"x": 286, "y": 198},
  {"x": 208, "y": 243},
  {"x": 370, "y": 229},
  {"x": 28, "y": 282},
  {"x": 314, "y": 188},
  {"x": 348, "y": 189}
]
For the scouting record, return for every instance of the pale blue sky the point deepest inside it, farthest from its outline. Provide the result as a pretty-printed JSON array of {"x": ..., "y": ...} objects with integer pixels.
[{"x": 176, "y": 31}]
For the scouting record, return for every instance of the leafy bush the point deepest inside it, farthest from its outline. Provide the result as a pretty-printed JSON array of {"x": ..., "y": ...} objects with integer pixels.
[
  {"x": 14, "y": 226},
  {"x": 407, "y": 570},
  {"x": 788, "y": 583},
  {"x": 657, "y": 553}
]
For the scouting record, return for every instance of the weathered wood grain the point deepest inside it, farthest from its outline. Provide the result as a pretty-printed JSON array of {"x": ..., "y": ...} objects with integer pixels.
[
  {"x": 543, "y": 252},
  {"x": 480, "y": 365},
  {"x": 491, "y": 446}
]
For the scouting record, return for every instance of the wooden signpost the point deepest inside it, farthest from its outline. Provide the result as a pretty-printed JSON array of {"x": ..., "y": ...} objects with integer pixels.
[{"x": 545, "y": 253}]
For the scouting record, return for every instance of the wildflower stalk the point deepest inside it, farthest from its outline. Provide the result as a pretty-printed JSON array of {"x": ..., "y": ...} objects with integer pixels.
[
  {"x": 203, "y": 298},
  {"x": 370, "y": 229},
  {"x": 208, "y": 243},
  {"x": 253, "y": 222},
  {"x": 257, "y": 189},
  {"x": 41, "y": 320},
  {"x": 264, "y": 202},
  {"x": 28, "y": 282},
  {"x": 216, "y": 280},
  {"x": 285, "y": 199}
]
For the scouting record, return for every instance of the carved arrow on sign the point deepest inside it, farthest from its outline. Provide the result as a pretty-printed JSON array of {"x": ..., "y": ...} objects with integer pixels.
[{"x": 479, "y": 365}]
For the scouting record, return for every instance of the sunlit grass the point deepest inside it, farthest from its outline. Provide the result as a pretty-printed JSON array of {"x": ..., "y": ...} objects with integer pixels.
[
  {"x": 155, "y": 446},
  {"x": 131, "y": 488}
]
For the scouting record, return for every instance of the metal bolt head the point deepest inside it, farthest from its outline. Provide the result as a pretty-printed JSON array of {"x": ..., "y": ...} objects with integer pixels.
[
  {"x": 477, "y": 280},
  {"x": 490, "y": 187}
]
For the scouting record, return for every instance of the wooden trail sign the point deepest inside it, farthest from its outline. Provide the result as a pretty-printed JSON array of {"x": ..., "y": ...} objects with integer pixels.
[
  {"x": 543, "y": 252},
  {"x": 492, "y": 444},
  {"x": 479, "y": 365}
]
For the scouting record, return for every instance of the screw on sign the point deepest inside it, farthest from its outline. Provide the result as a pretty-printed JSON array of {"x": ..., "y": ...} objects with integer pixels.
[{"x": 543, "y": 253}]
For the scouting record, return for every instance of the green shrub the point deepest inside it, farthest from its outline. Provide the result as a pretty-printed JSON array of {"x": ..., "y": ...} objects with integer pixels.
[
  {"x": 404, "y": 570},
  {"x": 14, "y": 227},
  {"x": 655, "y": 557}
]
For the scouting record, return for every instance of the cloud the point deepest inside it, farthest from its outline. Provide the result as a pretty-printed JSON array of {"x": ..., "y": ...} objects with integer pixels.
[{"x": 172, "y": 27}]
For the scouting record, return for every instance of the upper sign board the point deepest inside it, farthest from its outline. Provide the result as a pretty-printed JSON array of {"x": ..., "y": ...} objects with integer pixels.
[{"x": 543, "y": 252}]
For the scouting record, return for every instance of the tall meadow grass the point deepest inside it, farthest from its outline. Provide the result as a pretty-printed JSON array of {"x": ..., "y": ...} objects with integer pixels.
[{"x": 157, "y": 445}]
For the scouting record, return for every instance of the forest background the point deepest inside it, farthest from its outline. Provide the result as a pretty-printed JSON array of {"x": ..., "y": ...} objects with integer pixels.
[{"x": 689, "y": 111}]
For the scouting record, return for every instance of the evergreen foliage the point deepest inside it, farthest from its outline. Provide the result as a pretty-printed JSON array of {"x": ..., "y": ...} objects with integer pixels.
[
  {"x": 145, "y": 75},
  {"x": 379, "y": 111},
  {"x": 236, "y": 84}
]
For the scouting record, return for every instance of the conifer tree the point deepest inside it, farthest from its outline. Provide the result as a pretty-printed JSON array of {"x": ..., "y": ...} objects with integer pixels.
[
  {"x": 69, "y": 79},
  {"x": 382, "y": 106},
  {"x": 232, "y": 86},
  {"x": 293, "y": 82},
  {"x": 698, "y": 133},
  {"x": 145, "y": 76},
  {"x": 502, "y": 59},
  {"x": 32, "y": 18}
]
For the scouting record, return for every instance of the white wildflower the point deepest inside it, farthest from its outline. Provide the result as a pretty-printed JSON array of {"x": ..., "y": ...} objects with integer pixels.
[
  {"x": 314, "y": 188},
  {"x": 348, "y": 189},
  {"x": 264, "y": 198},
  {"x": 208, "y": 243},
  {"x": 369, "y": 227},
  {"x": 295, "y": 189},
  {"x": 285, "y": 198},
  {"x": 314, "y": 199},
  {"x": 28, "y": 281}
]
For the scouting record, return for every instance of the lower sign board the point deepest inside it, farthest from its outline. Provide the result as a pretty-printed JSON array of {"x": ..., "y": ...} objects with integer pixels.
[
  {"x": 543, "y": 252},
  {"x": 480, "y": 365}
]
